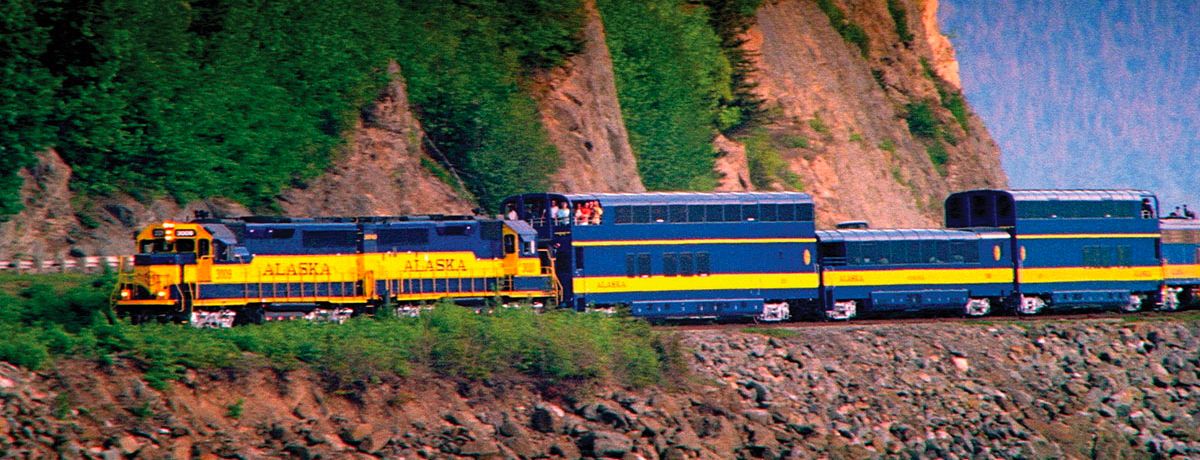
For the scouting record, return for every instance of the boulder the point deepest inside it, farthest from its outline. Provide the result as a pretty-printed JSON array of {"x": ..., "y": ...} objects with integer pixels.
[{"x": 605, "y": 444}]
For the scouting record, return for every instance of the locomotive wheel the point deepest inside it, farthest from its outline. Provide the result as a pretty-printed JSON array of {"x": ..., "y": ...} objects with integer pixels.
[
  {"x": 978, "y": 307},
  {"x": 1135, "y": 304}
]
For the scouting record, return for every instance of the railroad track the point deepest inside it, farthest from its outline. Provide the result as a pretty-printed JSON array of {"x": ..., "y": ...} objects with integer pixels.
[{"x": 995, "y": 319}]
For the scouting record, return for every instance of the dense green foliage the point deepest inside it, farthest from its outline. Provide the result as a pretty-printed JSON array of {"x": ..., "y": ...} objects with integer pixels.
[
  {"x": 851, "y": 32},
  {"x": 671, "y": 80},
  {"x": 465, "y": 64},
  {"x": 220, "y": 98},
  {"x": 900, "y": 17},
  {"x": 49, "y": 316},
  {"x": 26, "y": 97},
  {"x": 766, "y": 163}
]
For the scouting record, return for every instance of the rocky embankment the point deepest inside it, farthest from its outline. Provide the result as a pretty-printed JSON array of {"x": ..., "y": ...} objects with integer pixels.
[{"x": 1094, "y": 389}]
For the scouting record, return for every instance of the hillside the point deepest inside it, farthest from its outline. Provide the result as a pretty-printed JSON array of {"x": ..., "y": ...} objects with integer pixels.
[
  {"x": 1078, "y": 389},
  {"x": 442, "y": 108}
]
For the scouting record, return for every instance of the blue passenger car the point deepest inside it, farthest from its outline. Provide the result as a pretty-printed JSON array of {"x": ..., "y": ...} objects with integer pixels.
[
  {"x": 889, "y": 271},
  {"x": 1073, "y": 248},
  {"x": 1181, "y": 262},
  {"x": 679, "y": 255}
]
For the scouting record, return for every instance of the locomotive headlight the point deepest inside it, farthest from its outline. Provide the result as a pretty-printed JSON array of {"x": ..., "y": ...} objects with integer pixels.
[
  {"x": 125, "y": 293},
  {"x": 161, "y": 294}
]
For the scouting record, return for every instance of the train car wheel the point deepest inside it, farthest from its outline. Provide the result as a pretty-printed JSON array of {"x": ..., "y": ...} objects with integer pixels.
[
  {"x": 1170, "y": 299},
  {"x": 842, "y": 311},
  {"x": 978, "y": 307},
  {"x": 1031, "y": 305},
  {"x": 1134, "y": 304},
  {"x": 774, "y": 312}
]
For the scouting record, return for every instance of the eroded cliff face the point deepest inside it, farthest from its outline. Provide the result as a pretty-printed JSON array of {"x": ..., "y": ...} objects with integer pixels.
[
  {"x": 579, "y": 108},
  {"x": 384, "y": 171},
  {"x": 861, "y": 160}
]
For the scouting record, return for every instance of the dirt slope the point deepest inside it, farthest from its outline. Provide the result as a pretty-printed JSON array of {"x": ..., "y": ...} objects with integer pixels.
[
  {"x": 849, "y": 108},
  {"x": 579, "y": 108},
  {"x": 382, "y": 171}
]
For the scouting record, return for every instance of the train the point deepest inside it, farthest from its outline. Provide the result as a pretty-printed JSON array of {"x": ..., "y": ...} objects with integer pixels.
[{"x": 672, "y": 256}]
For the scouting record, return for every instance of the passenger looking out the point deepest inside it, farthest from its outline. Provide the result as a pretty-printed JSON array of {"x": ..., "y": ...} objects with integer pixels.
[
  {"x": 511, "y": 213},
  {"x": 562, "y": 213},
  {"x": 597, "y": 211},
  {"x": 583, "y": 214}
]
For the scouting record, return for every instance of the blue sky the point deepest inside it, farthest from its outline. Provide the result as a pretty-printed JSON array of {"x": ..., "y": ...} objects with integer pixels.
[{"x": 1086, "y": 94}]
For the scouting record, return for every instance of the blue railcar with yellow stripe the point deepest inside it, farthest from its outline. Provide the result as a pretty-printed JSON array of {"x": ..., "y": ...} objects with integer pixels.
[
  {"x": 680, "y": 255},
  {"x": 1073, "y": 248},
  {"x": 1181, "y": 261},
  {"x": 914, "y": 270},
  {"x": 220, "y": 271}
]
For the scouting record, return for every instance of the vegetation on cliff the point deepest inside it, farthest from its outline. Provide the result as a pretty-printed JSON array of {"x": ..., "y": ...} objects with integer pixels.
[
  {"x": 45, "y": 317},
  {"x": 215, "y": 98},
  {"x": 672, "y": 111}
]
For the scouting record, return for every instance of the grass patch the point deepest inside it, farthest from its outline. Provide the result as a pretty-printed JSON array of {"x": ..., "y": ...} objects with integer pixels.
[
  {"x": 792, "y": 141},
  {"x": 939, "y": 157},
  {"x": 817, "y": 124},
  {"x": 887, "y": 145},
  {"x": 771, "y": 332}
]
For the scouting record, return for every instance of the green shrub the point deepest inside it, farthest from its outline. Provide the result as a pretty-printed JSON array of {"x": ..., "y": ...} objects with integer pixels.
[
  {"x": 851, "y": 32},
  {"x": 887, "y": 145},
  {"x": 766, "y": 164},
  {"x": 921, "y": 121},
  {"x": 235, "y": 410},
  {"x": 900, "y": 18},
  {"x": 818, "y": 124},
  {"x": 23, "y": 348}
]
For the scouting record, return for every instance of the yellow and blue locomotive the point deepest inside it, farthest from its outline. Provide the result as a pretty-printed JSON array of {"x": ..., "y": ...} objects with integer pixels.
[{"x": 219, "y": 272}]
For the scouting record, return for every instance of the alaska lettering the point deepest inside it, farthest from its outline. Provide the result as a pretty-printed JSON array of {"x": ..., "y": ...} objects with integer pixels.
[
  {"x": 296, "y": 269},
  {"x": 435, "y": 265}
]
